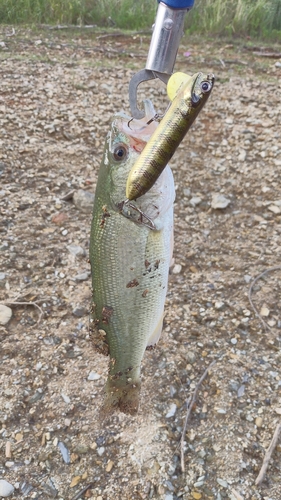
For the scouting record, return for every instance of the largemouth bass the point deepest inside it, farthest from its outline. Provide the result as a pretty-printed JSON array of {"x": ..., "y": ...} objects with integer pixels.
[
  {"x": 130, "y": 254},
  {"x": 186, "y": 105}
]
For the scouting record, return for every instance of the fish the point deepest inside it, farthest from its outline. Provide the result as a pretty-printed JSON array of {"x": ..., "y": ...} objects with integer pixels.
[
  {"x": 130, "y": 254},
  {"x": 187, "y": 103}
]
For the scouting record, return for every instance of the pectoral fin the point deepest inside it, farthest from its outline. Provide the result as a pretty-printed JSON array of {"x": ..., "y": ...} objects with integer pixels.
[{"x": 155, "y": 336}]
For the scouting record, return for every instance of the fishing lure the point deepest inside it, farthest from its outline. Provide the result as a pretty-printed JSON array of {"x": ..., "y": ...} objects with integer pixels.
[{"x": 188, "y": 94}]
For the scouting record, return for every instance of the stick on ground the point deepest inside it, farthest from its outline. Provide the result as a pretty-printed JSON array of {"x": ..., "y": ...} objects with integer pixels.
[
  {"x": 190, "y": 403},
  {"x": 268, "y": 455},
  {"x": 31, "y": 303},
  {"x": 276, "y": 268}
]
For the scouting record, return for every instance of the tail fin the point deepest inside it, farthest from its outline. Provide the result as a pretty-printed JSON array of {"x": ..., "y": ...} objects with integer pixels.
[{"x": 121, "y": 395}]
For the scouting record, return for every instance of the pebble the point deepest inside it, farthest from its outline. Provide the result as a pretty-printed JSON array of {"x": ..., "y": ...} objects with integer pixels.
[
  {"x": 242, "y": 155},
  {"x": 177, "y": 269},
  {"x": 5, "y": 314},
  {"x": 65, "y": 398},
  {"x": 247, "y": 278},
  {"x": 84, "y": 200},
  {"x": 222, "y": 482},
  {"x": 172, "y": 410},
  {"x": 100, "y": 451},
  {"x": 64, "y": 451},
  {"x": 219, "y": 305},
  {"x": 6, "y": 489},
  {"x": 168, "y": 496},
  {"x": 2, "y": 276},
  {"x": 198, "y": 484},
  {"x": 9, "y": 464},
  {"x": 264, "y": 311},
  {"x": 82, "y": 277},
  {"x": 195, "y": 200},
  {"x": 79, "y": 312},
  {"x": 233, "y": 341},
  {"x": 258, "y": 421},
  {"x": 93, "y": 376},
  {"x": 219, "y": 201},
  {"x": 275, "y": 209},
  {"x": 109, "y": 466},
  {"x": 76, "y": 250},
  {"x": 277, "y": 64}
]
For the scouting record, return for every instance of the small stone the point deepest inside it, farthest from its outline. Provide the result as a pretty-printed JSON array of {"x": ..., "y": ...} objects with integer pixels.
[
  {"x": 219, "y": 305},
  {"x": 247, "y": 278},
  {"x": 172, "y": 410},
  {"x": 277, "y": 64},
  {"x": 177, "y": 269},
  {"x": 84, "y": 200},
  {"x": 109, "y": 466},
  {"x": 6, "y": 489},
  {"x": 93, "y": 376},
  {"x": 275, "y": 209},
  {"x": 271, "y": 322},
  {"x": 65, "y": 398},
  {"x": 195, "y": 200},
  {"x": 242, "y": 155},
  {"x": 258, "y": 421},
  {"x": 100, "y": 451},
  {"x": 79, "y": 312},
  {"x": 82, "y": 277},
  {"x": 278, "y": 411},
  {"x": 8, "y": 450},
  {"x": 264, "y": 311},
  {"x": 65, "y": 452},
  {"x": 219, "y": 201},
  {"x": 82, "y": 449},
  {"x": 233, "y": 341},
  {"x": 168, "y": 496},
  {"x": 75, "y": 480},
  {"x": 9, "y": 464},
  {"x": 198, "y": 484},
  {"x": 196, "y": 494},
  {"x": 222, "y": 482},
  {"x": 2, "y": 276},
  {"x": 5, "y": 314},
  {"x": 76, "y": 250}
]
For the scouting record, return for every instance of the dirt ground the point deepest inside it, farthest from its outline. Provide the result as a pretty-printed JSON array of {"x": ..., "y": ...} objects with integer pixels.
[{"x": 58, "y": 92}]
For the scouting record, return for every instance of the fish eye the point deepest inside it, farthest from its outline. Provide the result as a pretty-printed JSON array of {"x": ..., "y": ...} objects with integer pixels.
[
  {"x": 120, "y": 152},
  {"x": 205, "y": 87}
]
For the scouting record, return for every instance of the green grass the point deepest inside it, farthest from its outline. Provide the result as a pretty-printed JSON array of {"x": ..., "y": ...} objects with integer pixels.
[{"x": 255, "y": 18}]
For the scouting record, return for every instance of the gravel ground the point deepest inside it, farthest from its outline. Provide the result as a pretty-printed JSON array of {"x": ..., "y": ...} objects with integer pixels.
[{"x": 58, "y": 92}]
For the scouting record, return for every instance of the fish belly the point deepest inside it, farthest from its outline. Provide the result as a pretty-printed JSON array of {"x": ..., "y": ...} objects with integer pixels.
[{"x": 130, "y": 267}]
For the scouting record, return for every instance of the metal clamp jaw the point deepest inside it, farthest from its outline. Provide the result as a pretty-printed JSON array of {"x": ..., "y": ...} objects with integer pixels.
[{"x": 167, "y": 32}]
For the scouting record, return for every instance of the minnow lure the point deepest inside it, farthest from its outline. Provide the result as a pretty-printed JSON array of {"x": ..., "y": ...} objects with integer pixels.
[{"x": 187, "y": 101}]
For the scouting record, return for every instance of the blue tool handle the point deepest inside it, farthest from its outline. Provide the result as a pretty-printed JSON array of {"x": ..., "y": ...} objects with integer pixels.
[{"x": 178, "y": 4}]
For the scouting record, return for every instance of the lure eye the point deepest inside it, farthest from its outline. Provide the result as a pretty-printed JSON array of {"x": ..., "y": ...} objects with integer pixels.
[
  {"x": 205, "y": 87},
  {"x": 120, "y": 152}
]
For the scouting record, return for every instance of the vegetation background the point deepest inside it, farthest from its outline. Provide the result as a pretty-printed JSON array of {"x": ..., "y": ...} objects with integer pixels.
[{"x": 255, "y": 18}]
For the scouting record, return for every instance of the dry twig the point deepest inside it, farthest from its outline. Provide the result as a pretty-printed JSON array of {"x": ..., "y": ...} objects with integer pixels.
[
  {"x": 276, "y": 268},
  {"x": 268, "y": 455},
  {"x": 31, "y": 303},
  {"x": 81, "y": 492},
  {"x": 190, "y": 403}
]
